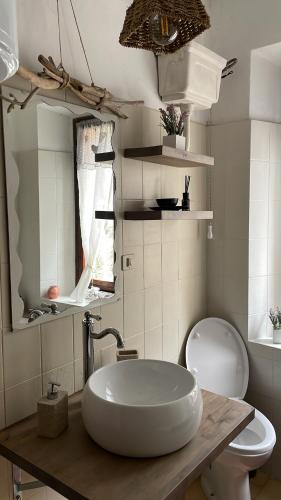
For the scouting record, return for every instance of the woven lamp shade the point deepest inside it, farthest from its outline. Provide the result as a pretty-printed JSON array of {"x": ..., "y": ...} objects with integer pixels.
[{"x": 189, "y": 16}]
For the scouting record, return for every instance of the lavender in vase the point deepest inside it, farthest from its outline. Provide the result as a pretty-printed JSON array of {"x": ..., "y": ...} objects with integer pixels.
[{"x": 173, "y": 122}]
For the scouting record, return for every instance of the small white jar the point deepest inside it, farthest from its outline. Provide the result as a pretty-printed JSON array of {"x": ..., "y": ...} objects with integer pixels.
[{"x": 276, "y": 335}]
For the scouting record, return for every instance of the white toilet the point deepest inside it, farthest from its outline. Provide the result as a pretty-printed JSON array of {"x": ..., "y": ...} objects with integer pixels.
[{"x": 216, "y": 355}]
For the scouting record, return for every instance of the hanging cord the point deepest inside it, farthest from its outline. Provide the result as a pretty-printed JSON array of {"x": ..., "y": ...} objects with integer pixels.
[
  {"x": 79, "y": 33},
  {"x": 59, "y": 31},
  {"x": 210, "y": 234}
]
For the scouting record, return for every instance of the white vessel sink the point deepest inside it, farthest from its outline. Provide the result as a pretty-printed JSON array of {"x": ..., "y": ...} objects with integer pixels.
[{"x": 142, "y": 408}]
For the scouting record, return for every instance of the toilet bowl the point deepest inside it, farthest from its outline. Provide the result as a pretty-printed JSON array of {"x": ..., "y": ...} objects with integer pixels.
[{"x": 216, "y": 355}]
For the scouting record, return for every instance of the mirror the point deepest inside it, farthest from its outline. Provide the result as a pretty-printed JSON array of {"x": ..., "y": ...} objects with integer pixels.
[{"x": 61, "y": 163}]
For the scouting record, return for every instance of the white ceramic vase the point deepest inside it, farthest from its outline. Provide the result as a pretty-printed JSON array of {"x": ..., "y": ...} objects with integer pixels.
[
  {"x": 276, "y": 335},
  {"x": 174, "y": 141}
]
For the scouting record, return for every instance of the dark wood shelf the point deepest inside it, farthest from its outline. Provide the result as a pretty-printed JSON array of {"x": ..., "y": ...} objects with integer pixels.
[
  {"x": 168, "y": 215},
  {"x": 105, "y": 157},
  {"x": 105, "y": 215},
  {"x": 164, "y": 155}
]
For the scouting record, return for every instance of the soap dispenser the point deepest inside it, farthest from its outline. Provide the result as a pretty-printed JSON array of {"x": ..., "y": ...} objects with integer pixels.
[{"x": 53, "y": 412}]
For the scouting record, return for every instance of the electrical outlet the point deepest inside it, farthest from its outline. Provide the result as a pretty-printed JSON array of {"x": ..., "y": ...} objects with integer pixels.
[{"x": 128, "y": 262}]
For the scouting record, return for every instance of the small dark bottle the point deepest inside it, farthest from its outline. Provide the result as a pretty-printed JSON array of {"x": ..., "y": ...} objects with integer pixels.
[
  {"x": 185, "y": 201},
  {"x": 185, "y": 196}
]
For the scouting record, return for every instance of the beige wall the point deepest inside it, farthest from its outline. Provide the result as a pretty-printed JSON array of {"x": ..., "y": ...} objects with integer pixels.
[{"x": 162, "y": 298}]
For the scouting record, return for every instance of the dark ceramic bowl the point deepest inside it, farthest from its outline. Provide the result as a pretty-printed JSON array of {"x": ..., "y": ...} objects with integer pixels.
[{"x": 166, "y": 203}]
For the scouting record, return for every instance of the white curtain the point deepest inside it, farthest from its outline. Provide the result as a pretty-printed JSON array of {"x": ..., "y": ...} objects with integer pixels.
[{"x": 95, "y": 182}]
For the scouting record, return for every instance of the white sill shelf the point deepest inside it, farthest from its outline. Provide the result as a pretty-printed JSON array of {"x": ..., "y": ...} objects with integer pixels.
[{"x": 268, "y": 342}]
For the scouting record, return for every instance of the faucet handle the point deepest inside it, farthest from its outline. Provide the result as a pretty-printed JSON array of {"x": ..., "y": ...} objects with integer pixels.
[{"x": 89, "y": 316}]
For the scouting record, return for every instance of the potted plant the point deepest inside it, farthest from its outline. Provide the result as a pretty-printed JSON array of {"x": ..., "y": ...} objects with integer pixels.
[
  {"x": 173, "y": 120},
  {"x": 275, "y": 318}
]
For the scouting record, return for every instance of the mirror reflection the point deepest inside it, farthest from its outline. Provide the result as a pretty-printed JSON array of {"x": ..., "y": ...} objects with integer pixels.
[{"x": 65, "y": 205}]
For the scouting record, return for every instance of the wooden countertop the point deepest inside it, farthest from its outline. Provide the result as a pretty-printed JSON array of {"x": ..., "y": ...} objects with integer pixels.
[{"x": 78, "y": 469}]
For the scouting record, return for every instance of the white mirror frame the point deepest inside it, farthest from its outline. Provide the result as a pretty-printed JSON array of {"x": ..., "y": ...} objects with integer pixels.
[{"x": 12, "y": 185}]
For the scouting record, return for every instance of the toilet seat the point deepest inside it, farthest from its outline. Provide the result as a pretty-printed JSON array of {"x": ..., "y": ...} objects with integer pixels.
[
  {"x": 216, "y": 355},
  {"x": 256, "y": 439}
]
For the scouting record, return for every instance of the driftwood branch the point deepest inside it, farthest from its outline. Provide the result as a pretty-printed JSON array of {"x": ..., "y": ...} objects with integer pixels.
[{"x": 54, "y": 77}]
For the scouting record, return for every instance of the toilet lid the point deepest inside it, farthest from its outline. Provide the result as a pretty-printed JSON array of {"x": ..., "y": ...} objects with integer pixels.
[{"x": 216, "y": 355}]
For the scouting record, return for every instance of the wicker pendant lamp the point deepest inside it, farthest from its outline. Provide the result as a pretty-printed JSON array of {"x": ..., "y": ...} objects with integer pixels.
[{"x": 163, "y": 26}]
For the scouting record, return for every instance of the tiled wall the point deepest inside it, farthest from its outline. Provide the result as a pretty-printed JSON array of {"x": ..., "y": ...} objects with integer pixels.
[
  {"x": 244, "y": 259},
  {"x": 57, "y": 221},
  {"x": 163, "y": 296}
]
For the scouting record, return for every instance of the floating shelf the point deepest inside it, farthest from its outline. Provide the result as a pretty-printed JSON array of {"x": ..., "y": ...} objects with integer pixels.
[
  {"x": 165, "y": 155},
  {"x": 168, "y": 215},
  {"x": 105, "y": 157},
  {"x": 105, "y": 215}
]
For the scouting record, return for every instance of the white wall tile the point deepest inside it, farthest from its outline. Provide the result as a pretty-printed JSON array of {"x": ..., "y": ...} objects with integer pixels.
[
  {"x": 152, "y": 232},
  {"x": 259, "y": 180},
  {"x": 153, "y": 346},
  {"x": 47, "y": 164},
  {"x": 132, "y": 233},
  {"x": 274, "y": 249},
  {"x": 152, "y": 265},
  {"x": 258, "y": 257},
  {"x": 170, "y": 230},
  {"x": 21, "y": 400},
  {"x": 258, "y": 225},
  {"x": 136, "y": 342},
  {"x": 171, "y": 183},
  {"x": 151, "y": 134},
  {"x": 108, "y": 355},
  {"x": 260, "y": 140},
  {"x": 198, "y": 138},
  {"x": 79, "y": 375},
  {"x": 133, "y": 314},
  {"x": 257, "y": 326},
  {"x": 258, "y": 295},
  {"x": 274, "y": 291},
  {"x": 170, "y": 297},
  {"x": 112, "y": 316},
  {"x": 22, "y": 355},
  {"x": 170, "y": 341},
  {"x": 275, "y": 142},
  {"x": 188, "y": 230},
  {"x": 170, "y": 262},
  {"x": 274, "y": 218},
  {"x": 64, "y": 375},
  {"x": 57, "y": 343},
  {"x": 151, "y": 181},
  {"x": 153, "y": 307},
  {"x": 131, "y": 179},
  {"x": 275, "y": 181}
]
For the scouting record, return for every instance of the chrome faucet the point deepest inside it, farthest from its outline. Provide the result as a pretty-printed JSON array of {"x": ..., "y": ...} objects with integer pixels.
[
  {"x": 36, "y": 312},
  {"x": 89, "y": 336}
]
